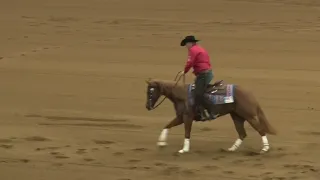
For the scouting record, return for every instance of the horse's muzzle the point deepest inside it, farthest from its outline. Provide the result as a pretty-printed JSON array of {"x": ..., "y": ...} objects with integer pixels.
[
  {"x": 149, "y": 104},
  {"x": 149, "y": 107}
]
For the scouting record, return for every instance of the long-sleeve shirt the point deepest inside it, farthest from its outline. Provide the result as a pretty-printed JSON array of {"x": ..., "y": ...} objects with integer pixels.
[{"x": 198, "y": 59}]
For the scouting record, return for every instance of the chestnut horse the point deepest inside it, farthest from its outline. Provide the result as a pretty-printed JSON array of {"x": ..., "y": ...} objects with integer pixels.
[{"x": 221, "y": 99}]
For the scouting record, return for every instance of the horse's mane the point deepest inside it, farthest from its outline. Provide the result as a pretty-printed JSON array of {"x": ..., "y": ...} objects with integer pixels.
[
  {"x": 165, "y": 83},
  {"x": 177, "y": 89}
]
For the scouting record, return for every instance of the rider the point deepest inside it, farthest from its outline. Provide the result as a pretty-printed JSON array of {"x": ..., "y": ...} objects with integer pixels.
[{"x": 199, "y": 60}]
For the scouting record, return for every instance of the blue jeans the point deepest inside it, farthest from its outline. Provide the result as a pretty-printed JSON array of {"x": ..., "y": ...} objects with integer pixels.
[{"x": 201, "y": 82}]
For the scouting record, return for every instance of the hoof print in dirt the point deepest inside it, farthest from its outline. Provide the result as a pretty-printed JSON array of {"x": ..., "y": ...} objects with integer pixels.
[
  {"x": 252, "y": 153},
  {"x": 6, "y": 146},
  {"x": 57, "y": 164},
  {"x": 177, "y": 154},
  {"x": 94, "y": 149},
  {"x": 171, "y": 170},
  {"x": 103, "y": 142},
  {"x": 37, "y": 138},
  {"x": 228, "y": 172},
  {"x": 6, "y": 140},
  {"x": 25, "y": 160},
  {"x": 238, "y": 161},
  {"x": 140, "y": 149},
  {"x": 59, "y": 155},
  {"x": 210, "y": 167},
  {"x": 134, "y": 160},
  {"x": 88, "y": 159},
  {"x": 118, "y": 154},
  {"x": 81, "y": 151},
  {"x": 218, "y": 157},
  {"x": 160, "y": 164}
]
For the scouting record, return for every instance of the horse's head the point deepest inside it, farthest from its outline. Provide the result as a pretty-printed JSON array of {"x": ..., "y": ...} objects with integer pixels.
[{"x": 153, "y": 93}]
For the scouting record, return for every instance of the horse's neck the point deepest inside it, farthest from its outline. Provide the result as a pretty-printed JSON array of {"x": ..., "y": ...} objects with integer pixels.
[{"x": 175, "y": 92}]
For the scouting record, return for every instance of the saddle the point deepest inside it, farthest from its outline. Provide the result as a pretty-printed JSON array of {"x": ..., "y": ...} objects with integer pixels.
[
  {"x": 215, "y": 93},
  {"x": 218, "y": 86},
  {"x": 215, "y": 87}
]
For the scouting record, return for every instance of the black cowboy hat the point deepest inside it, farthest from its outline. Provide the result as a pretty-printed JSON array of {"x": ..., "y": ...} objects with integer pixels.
[{"x": 188, "y": 39}]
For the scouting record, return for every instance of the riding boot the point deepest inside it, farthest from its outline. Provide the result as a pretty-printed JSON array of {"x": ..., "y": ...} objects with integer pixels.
[
  {"x": 206, "y": 112},
  {"x": 203, "y": 112},
  {"x": 199, "y": 110}
]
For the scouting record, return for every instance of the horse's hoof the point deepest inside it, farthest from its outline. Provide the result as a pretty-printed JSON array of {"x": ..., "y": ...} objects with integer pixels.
[
  {"x": 182, "y": 151},
  {"x": 225, "y": 150},
  {"x": 162, "y": 144},
  {"x": 264, "y": 151}
]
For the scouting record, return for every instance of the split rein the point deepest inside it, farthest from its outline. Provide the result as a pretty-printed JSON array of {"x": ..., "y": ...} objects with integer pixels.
[{"x": 177, "y": 79}]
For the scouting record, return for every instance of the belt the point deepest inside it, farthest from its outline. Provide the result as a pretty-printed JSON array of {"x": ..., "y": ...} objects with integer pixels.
[{"x": 205, "y": 71}]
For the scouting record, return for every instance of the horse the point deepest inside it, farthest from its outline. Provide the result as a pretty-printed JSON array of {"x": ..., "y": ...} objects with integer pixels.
[{"x": 220, "y": 99}]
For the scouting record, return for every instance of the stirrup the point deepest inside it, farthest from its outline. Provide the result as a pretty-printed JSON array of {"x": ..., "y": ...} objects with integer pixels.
[
  {"x": 203, "y": 114},
  {"x": 208, "y": 115}
]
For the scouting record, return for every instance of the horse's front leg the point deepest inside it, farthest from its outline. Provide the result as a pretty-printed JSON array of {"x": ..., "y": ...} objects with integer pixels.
[
  {"x": 187, "y": 133},
  {"x": 164, "y": 133}
]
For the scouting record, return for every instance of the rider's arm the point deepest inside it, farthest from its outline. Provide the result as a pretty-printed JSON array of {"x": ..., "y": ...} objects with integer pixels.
[{"x": 190, "y": 62}]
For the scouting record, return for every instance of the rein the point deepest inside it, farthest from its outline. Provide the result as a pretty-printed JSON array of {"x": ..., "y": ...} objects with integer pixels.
[{"x": 177, "y": 79}]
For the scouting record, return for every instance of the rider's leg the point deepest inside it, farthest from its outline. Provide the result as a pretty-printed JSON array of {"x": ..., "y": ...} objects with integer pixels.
[
  {"x": 208, "y": 78},
  {"x": 202, "y": 81},
  {"x": 199, "y": 91}
]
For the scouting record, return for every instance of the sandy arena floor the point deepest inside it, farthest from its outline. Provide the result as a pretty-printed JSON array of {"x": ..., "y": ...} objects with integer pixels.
[{"x": 73, "y": 92}]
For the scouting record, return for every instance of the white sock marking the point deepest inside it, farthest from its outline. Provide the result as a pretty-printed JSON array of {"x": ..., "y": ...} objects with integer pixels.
[
  {"x": 186, "y": 146},
  {"x": 236, "y": 145},
  {"x": 265, "y": 143},
  {"x": 163, "y": 135}
]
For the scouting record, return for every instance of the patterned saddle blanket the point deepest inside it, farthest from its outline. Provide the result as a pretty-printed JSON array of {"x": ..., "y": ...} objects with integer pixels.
[{"x": 218, "y": 94}]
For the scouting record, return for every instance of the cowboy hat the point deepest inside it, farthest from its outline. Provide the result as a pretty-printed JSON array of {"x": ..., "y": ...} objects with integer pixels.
[{"x": 188, "y": 39}]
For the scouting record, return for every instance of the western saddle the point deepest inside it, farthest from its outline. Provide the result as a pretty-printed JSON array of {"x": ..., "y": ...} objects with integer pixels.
[{"x": 215, "y": 86}]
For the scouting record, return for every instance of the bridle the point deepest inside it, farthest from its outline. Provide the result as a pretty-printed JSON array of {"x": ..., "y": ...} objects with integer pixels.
[{"x": 177, "y": 79}]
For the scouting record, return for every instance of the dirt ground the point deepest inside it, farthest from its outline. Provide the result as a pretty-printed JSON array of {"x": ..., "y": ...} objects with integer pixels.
[{"x": 72, "y": 92}]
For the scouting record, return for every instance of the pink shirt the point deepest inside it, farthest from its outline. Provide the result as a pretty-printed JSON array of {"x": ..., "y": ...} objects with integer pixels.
[{"x": 198, "y": 59}]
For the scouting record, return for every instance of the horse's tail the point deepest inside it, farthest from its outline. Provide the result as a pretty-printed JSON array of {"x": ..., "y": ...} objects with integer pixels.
[{"x": 265, "y": 123}]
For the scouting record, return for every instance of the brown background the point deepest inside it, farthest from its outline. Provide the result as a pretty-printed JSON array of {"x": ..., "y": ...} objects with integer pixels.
[{"x": 72, "y": 87}]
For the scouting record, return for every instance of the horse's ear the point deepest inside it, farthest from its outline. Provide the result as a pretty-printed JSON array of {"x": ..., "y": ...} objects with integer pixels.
[{"x": 148, "y": 81}]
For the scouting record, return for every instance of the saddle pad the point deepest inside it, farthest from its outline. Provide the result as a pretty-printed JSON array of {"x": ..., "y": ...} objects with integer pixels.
[
  {"x": 228, "y": 97},
  {"x": 218, "y": 99},
  {"x": 222, "y": 99}
]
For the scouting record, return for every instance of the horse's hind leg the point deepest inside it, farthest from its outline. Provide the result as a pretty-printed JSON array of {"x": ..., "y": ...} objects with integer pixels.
[
  {"x": 164, "y": 133},
  {"x": 256, "y": 125},
  {"x": 239, "y": 125}
]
